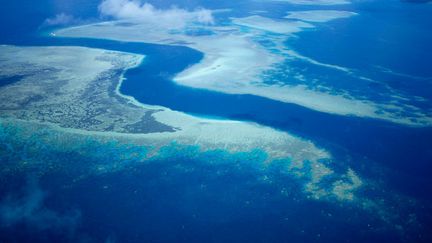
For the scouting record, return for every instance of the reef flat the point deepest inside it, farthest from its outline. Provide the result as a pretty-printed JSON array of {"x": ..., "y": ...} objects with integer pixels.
[
  {"x": 249, "y": 55},
  {"x": 69, "y": 96},
  {"x": 314, "y": 2},
  {"x": 319, "y": 15},
  {"x": 72, "y": 87}
]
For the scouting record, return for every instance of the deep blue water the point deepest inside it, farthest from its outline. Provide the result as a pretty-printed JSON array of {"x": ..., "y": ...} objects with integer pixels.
[
  {"x": 154, "y": 203},
  {"x": 10, "y": 80},
  {"x": 395, "y": 35},
  {"x": 161, "y": 203}
]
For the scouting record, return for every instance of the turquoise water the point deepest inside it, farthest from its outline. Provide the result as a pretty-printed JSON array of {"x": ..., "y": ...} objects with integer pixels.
[{"x": 220, "y": 197}]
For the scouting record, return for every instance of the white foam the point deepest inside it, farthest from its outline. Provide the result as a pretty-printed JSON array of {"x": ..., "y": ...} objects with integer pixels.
[
  {"x": 315, "y": 62},
  {"x": 389, "y": 71}
]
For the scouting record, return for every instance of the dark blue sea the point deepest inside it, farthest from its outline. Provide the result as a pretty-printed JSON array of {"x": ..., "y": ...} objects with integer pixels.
[{"x": 190, "y": 200}]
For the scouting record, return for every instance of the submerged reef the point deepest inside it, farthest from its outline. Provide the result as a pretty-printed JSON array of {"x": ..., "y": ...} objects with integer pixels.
[
  {"x": 68, "y": 102},
  {"x": 251, "y": 55},
  {"x": 49, "y": 125}
]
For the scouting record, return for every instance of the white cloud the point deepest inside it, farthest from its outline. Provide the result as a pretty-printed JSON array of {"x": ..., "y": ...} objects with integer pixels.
[
  {"x": 136, "y": 10},
  {"x": 61, "y": 19}
]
